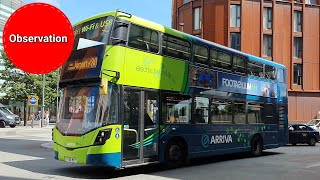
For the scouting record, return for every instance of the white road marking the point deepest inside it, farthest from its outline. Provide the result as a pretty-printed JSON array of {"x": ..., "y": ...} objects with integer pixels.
[
  {"x": 11, "y": 157},
  {"x": 313, "y": 165}
]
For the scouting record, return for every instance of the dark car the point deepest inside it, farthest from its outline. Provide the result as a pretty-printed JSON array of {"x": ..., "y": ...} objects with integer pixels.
[{"x": 301, "y": 133}]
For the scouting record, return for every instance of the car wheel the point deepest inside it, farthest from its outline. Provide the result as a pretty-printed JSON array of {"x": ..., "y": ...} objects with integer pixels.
[
  {"x": 256, "y": 146},
  {"x": 312, "y": 142},
  {"x": 2, "y": 124},
  {"x": 12, "y": 126},
  {"x": 294, "y": 144},
  {"x": 175, "y": 153}
]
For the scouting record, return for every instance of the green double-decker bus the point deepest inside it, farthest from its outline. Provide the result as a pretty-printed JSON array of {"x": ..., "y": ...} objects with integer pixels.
[{"x": 136, "y": 92}]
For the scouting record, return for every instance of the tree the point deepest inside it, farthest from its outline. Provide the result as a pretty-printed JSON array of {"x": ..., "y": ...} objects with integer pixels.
[{"x": 19, "y": 84}]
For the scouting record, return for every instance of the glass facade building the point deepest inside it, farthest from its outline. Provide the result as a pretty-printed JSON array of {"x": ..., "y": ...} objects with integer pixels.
[{"x": 7, "y": 7}]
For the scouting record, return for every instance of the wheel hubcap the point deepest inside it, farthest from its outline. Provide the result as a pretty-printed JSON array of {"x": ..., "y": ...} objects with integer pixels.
[{"x": 175, "y": 153}]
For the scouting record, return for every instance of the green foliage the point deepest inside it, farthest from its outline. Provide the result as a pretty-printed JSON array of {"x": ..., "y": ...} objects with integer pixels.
[{"x": 18, "y": 84}]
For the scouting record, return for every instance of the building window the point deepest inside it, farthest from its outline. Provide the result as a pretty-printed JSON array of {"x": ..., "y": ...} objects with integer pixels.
[
  {"x": 297, "y": 74},
  {"x": 235, "y": 41},
  {"x": 297, "y": 21},
  {"x": 267, "y": 18},
  {"x": 196, "y": 18},
  {"x": 267, "y": 45},
  {"x": 298, "y": 47},
  {"x": 235, "y": 16},
  {"x": 185, "y": 1},
  {"x": 311, "y": 1}
]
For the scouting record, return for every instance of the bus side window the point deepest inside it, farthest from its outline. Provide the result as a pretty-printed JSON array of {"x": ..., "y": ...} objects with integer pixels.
[
  {"x": 176, "y": 47},
  {"x": 213, "y": 62},
  {"x": 255, "y": 69},
  {"x": 201, "y": 110},
  {"x": 240, "y": 112},
  {"x": 268, "y": 114},
  {"x": 225, "y": 60},
  {"x": 200, "y": 54},
  {"x": 221, "y": 111},
  {"x": 143, "y": 39},
  {"x": 280, "y": 75},
  {"x": 176, "y": 108},
  {"x": 239, "y": 64},
  {"x": 254, "y": 113},
  {"x": 270, "y": 72}
]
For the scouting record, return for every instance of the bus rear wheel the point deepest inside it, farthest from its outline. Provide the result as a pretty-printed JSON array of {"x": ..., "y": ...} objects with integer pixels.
[
  {"x": 256, "y": 146},
  {"x": 175, "y": 154}
]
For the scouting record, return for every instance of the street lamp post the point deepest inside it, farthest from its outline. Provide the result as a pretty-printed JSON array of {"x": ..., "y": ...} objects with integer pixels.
[{"x": 42, "y": 109}]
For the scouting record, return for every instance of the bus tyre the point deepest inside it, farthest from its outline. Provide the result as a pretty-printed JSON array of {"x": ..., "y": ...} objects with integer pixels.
[
  {"x": 256, "y": 146},
  {"x": 312, "y": 141},
  {"x": 175, "y": 153},
  {"x": 2, "y": 124}
]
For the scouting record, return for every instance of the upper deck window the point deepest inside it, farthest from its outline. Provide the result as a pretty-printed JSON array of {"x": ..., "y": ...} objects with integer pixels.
[
  {"x": 255, "y": 69},
  {"x": 175, "y": 47},
  {"x": 224, "y": 60},
  {"x": 143, "y": 38},
  {"x": 239, "y": 64},
  {"x": 280, "y": 75},
  {"x": 220, "y": 59},
  {"x": 200, "y": 54},
  {"x": 96, "y": 30},
  {"x": 270, "y": 72}
]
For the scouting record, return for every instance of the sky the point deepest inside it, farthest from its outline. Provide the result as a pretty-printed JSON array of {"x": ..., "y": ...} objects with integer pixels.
[{"x": 158, "y": 11}]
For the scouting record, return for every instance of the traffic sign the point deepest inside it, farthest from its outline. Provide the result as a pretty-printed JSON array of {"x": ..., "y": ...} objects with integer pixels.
[{"x": 33, "y": 100}]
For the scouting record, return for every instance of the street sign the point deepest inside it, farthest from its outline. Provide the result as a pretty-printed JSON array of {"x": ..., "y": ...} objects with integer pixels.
[{"x": 33, "y": 100}]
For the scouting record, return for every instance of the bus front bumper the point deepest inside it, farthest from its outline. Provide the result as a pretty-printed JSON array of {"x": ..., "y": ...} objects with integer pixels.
[{"x": 82, "y": 156}]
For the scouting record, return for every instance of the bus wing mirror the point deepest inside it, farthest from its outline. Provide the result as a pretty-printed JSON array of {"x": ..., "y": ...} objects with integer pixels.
[{"x": 111, "y": 73}]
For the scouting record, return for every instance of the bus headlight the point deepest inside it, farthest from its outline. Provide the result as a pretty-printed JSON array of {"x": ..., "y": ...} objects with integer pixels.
[{"x": 102, "y": 137}]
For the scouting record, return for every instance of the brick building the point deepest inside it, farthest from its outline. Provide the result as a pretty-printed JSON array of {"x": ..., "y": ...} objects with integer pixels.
[{"x": 286, "y": 32}]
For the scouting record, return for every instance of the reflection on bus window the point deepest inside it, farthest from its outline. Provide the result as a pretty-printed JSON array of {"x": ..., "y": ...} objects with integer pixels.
[
  {"x": 79, "y": 110},
  {"x": 239, "y": 112},
  {"x": 255, "y": 69},
  {"x": 224, "y": 60},
  {"x": 143, "y": 39},
  {"x": 176, "y": 108},
  {"x": 270, "y": 72},
  {"x": 239, "y": 64},
  {"x": 221, "y": 111},
  {"x": 254, "y": 113},
  {"x": 201, "y": 111},
  {"x": 200, "y": 54},
  {"x": 280, "y": 75},
  {"x": 175, "y": 47}
]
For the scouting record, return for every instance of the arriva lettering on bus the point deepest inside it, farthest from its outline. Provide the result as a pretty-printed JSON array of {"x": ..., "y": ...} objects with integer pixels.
[
  {"x": 238, "y": 84},
  {"x": 221, "y": 139}
]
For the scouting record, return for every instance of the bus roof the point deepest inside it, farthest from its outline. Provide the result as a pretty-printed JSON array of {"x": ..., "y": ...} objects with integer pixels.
[{"x": 164, "y": 29}]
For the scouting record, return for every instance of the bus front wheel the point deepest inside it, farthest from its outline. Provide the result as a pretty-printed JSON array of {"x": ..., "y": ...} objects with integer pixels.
[
  {"x": 175, "y": 153},
  {"x": 256, "y": 146}
]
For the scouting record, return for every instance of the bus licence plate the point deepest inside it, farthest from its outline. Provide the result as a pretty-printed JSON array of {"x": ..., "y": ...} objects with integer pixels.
[{"x": 71, "y": 159}]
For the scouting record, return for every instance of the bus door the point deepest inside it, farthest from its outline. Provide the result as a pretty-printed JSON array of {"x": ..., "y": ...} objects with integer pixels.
[{"x": 140, "y": 126}]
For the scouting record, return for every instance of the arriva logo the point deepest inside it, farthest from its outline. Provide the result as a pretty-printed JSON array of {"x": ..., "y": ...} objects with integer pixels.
[
  {"x": 215, "y": 139},
  {"x": 221, "y": 139}
]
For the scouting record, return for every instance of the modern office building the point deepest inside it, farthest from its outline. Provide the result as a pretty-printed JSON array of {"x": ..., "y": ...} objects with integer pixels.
[
  {"x": 7, "y": 7},
  {"x": 284, "y": 31}
]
